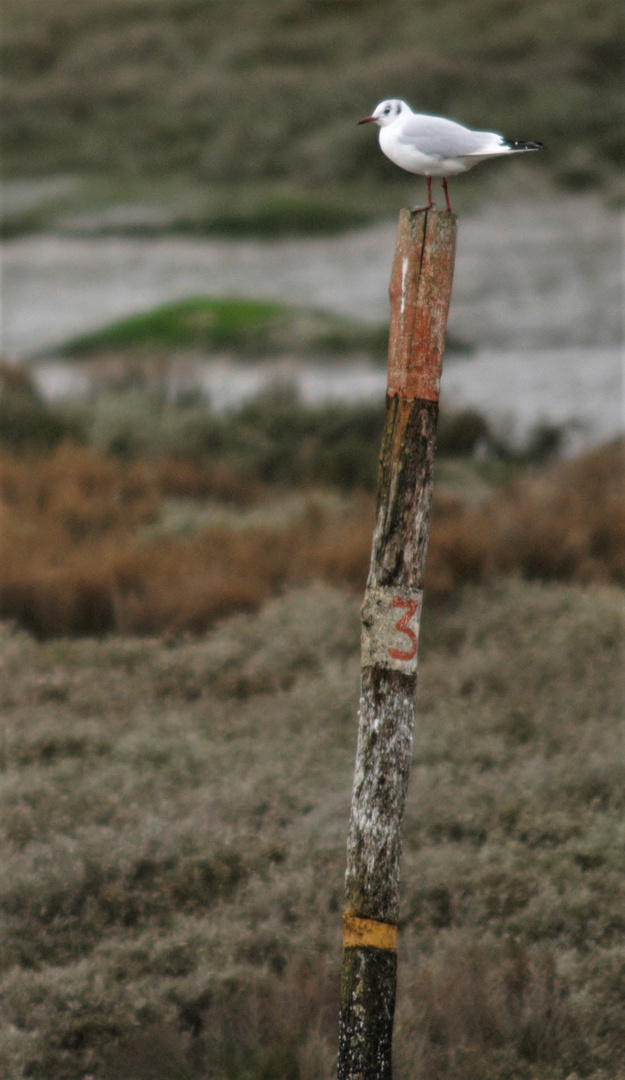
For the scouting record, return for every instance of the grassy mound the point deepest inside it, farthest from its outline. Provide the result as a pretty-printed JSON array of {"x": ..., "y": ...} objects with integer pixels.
[{"x": 242, "y": 327}]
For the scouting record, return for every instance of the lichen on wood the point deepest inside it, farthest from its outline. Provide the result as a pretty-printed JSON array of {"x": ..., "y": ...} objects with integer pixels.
[
  {"x": 383, "y": 759},
  {"x": 368, "y": 983},
  {"x": 420, "y": 290}
]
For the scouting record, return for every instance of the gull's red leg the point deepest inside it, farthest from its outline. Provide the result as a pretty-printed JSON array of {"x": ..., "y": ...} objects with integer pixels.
[
  {"x": 430, "y": 203},
  {"x": 446, "y": 193}
]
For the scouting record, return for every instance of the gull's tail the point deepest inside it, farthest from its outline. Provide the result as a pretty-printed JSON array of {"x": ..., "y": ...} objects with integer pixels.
[{"x": 522, "y": 144}]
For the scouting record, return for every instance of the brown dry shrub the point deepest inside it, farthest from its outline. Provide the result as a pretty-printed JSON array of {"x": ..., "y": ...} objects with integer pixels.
[
  {"x": 73, "y": 561},
  {"x": 185, "y": 585},
  {"x": 77, "y": 493},
  {"x": 460, "y": 545},
  {"x": 570, "y": 524},
  {"x": 184, "y": 479},
  {"x": 335, "y": 548},
  {"x": 566, "y": 525},
  {"x": 60, "y": 518}
]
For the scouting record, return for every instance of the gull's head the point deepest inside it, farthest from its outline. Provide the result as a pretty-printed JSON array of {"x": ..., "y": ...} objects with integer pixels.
[{"x": 386, "y": 112}]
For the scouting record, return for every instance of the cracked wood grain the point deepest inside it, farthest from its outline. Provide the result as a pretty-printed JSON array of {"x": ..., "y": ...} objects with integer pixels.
[{"x": 420, "y": 290}]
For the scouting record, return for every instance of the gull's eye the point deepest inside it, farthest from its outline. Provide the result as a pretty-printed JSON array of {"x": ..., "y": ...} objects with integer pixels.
[{"x": 387, "y": 110}]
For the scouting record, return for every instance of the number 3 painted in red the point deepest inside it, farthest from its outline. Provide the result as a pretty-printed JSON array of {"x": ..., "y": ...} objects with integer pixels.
[{"x": 403, "y": 625}]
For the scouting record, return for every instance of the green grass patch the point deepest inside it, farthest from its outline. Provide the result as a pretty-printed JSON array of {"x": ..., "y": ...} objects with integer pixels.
[{"x": 244, "y": 327}]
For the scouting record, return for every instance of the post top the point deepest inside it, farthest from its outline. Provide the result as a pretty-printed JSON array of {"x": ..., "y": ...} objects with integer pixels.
[{"x": 420, "y": 290}]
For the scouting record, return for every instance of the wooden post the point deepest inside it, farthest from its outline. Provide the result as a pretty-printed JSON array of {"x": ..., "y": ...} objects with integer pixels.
[{"x": 420, "y": 291}]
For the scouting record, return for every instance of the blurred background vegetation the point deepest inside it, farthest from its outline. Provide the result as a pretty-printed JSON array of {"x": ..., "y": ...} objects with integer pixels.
[
  {"x": 233, "y": 116},
  {"x": 179, "y": 586}
]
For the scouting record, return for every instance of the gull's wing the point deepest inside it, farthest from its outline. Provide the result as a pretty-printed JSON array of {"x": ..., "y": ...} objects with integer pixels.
[{"x": 440, "y": 138}]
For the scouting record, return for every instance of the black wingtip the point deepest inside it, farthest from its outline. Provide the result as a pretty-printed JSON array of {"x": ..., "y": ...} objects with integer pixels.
[{"x": 523, "y": 144}]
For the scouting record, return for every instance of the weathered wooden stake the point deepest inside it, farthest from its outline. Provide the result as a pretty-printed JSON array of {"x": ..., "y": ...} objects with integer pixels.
[{"x": 420, "y": 291}]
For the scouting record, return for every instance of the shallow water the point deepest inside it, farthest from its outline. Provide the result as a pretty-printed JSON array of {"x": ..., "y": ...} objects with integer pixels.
[
  {"x": 527, "y": 275},
  {"x": 577, "y": 388},
  {"x": 538, "y": 294}
]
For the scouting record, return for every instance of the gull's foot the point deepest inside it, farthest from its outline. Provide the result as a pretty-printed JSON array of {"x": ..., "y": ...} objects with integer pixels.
[{"x": 426, "y": 206}]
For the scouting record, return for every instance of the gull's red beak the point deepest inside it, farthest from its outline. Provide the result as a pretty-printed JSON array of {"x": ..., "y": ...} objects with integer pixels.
[{"x": 367, "y": 120}]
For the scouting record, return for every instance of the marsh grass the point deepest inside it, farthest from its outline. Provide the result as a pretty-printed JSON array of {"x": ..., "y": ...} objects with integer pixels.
[{"x": 173, "y": 828}]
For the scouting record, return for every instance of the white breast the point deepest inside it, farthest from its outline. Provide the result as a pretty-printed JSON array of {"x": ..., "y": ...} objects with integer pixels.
[{"x": 407, "y": 157}]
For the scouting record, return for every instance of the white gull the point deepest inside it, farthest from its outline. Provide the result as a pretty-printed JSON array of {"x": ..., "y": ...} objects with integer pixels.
[{"x": 433, "y": 146}]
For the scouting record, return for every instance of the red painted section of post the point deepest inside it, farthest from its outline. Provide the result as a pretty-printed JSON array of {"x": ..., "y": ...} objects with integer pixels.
[{"x": 420, "y": 293}]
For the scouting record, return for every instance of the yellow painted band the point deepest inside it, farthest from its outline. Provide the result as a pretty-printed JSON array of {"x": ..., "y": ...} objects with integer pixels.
[{"x": 368, "y": 932}]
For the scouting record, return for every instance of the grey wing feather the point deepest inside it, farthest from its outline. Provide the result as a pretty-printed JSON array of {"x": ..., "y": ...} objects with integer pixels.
[{"x": 440, "y": 138}]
